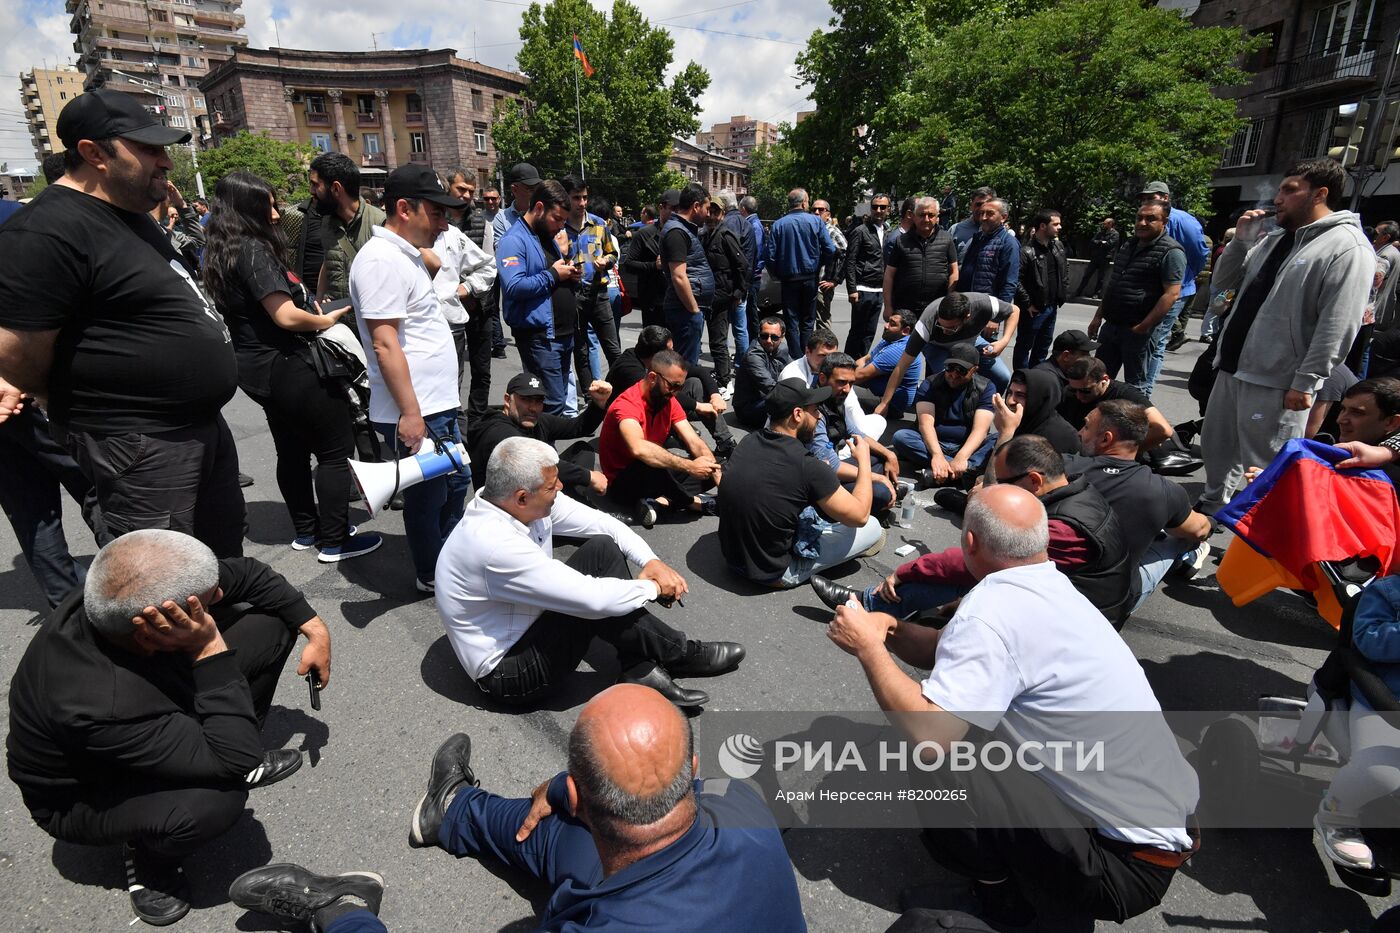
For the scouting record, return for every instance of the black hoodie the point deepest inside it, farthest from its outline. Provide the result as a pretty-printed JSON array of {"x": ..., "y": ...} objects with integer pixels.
[{"x": 1043, "y": 393}]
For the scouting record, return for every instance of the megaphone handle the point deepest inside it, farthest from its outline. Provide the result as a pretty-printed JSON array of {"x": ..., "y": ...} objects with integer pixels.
[{"x": 447, "y": 447}]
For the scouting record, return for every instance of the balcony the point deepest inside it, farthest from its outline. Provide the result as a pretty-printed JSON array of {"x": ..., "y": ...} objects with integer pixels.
[
  {"x": 413, "y": 118},
  {"x": 366, "y": 119},
  {"x": 372, "y": 160},
  {"x": 1318, "y": 73},
  {"x": 318, "y": 119},
  {"x": 418, "y": 157}
]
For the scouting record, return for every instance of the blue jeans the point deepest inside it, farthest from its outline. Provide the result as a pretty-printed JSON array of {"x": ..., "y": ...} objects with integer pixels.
[
  {"x": 432, "y": 508},
  {"x": 686, "y": 332},
  {"x": 551, "y": 361},
  {"x": 800, "y": 312},
  {"x": 1160, "y": 335},
  {"x": 1033, "y": 338},
  {"x": 1159, "y": 558},
  {"x": 357, "y": 921},
  {"x": 839, "y": 544},
  {"x": 738, "y": 323},
  {"x": 1120, "y": 348},
  {"x": 908, "y": 444},
  {"x": 914, "y": 598},
  {"x": 993, "y": 367}
]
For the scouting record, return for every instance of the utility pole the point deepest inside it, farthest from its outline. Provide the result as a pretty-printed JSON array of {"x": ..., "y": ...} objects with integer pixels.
[{"x": 1380, "y": 133}]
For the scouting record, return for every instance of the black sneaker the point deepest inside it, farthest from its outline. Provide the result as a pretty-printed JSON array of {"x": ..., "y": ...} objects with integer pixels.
[
  {"x": 291, "y": 892},
  {"x": 160, "y": 895},
  {"x": 278, "y": 764},
  {"x": 953, "y": 500},
  {"x": 450, "y": 770},
  {"x": 244, "y": 480}
]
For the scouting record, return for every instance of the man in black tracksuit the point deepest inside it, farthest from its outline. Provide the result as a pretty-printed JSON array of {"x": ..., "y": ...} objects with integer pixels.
[
  {"x": 865, "y": 275},
  {"x": 730, "y": 268}
]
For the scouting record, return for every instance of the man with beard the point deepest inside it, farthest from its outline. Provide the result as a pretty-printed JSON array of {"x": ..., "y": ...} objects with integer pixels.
[
  {"x": 641, "y": 472},
  {"x": 105, "y": 327},
  {"x": 347, "y": 221}
]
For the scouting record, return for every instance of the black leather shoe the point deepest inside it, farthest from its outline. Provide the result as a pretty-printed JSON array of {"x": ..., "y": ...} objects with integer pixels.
[
  {"x": 290, "y": 892},
  {"x": 709, "y": 659},
  {"x": 953, "y": 500},
  {"x": 832, "y": 593},
  {"x": 660, "y": 681},
  {"x": 277, "y": 765},
  {"x": 244, "y": 480},
  {"x": 160, "y": 895},
  {"x": 1175, "y": 463},
  {"x": 452, "y": 767}
]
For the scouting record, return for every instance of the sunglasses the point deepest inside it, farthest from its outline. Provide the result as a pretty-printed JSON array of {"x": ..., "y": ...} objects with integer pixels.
[
  {"x": 1007, "y": 480},
  {"x": 955, "y": 368},
  {"x": 820, "y": 210},
  {"x": 770, "y": 336}
]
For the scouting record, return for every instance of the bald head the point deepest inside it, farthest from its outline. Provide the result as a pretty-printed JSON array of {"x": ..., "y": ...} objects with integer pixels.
[
  {"x": 631, "y": 756},
  {"x": 1004, "y": 526}
]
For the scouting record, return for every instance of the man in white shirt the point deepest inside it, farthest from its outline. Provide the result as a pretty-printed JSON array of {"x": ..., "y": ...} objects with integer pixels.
[
  {"x": 808, "y": 367},
  {"x": 413, "y": 385},
  {"x": 520, "y": 621},
  {"x": 463, "y": 285},
  {"x": 1024, "y": 651}
]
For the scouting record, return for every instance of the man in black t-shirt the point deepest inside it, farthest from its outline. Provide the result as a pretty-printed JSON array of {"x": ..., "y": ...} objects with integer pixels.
[
  {"x": 105, "y": 324},
  {"x": 766, "y": 532},
  {"x": 1089, "y": 385},
  {"x": 1160, "y": 529}
]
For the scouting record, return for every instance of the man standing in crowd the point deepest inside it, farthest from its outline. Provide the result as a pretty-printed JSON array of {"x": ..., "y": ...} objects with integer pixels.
[
  {"x": 642, "y": 261},
  {"x": 922, "y": 263},
  {"x": 739, "y": 225},
  {"x": 948, "y": 203},
  {"x": 1103, "y": 248},
  {"x": 1145, "y": 284},
  {"x": 136, "y": 712},
  {"x": 759, "y": 371},
  {"x": 1300, "y": 294},
  {"x": 690, "y": 285},
  {"x": 476, "y": 222},
  {"x": 865, "y": 275},
  {"x": 1188, "y": 232},
  {"x": 106, "y": 326},
  {"x": 537, "y": 292},
  {"x": 490, "y": 210},
  {"x": 1043, "y": 288},
  {"x": 730, "y": 268},
  {"x": 463, "y": 282},
  {"x": 520, "y": 620},
  {"x": 1387, "y": 244},
  {"x": 748, "y": 210},
  {"x": 831, "y": 269},
  {"x": 347, "y": 221},
  {"x": 590, "y": 242},
  {"x": 964, "y": 230},
  {"x": 992, "y": 262},
  {"x": 798, "y": 247},
  {"x": 521, "y": 179},
  {"x": 413, "y": 385},
  {"x": 873, "y": 371}
]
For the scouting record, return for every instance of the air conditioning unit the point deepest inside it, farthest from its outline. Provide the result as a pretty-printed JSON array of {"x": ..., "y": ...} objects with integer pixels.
[
  {"x": 296, "y": 97},
  {"x": 350, "y": 137}
]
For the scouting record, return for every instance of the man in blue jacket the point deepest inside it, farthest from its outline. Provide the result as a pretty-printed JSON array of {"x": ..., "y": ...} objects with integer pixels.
[
  {"x": 748, "y": 210},
  {"x": 992, "y": 264},
  {"x": 798, "y": 247},
  {"x": 1186, "y": 230},
  {"x": 538, "y": 297}
]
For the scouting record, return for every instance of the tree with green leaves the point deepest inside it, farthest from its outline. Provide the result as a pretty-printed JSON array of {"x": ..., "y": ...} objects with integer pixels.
[
  {"x": 629, "y": 111},
  {"x": 773, "y": 172},
  {"x": 281, "y": 165}
]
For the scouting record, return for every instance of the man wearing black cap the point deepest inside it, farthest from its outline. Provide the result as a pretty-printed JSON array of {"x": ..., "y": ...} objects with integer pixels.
[
  {"x": 524, "y": 416},
  {"x": 108, "y": 329},
  {"x": 413, "y": 386},
  {"x": 1069, "y": 345},
  {"x": 772, "y": 479},
  {"x": 521, "y": 179},
  {"x": 954, "y": 412}
]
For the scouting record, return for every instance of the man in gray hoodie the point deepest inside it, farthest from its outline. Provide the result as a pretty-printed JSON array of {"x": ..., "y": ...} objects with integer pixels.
[{"x": 1300, "y": 292}]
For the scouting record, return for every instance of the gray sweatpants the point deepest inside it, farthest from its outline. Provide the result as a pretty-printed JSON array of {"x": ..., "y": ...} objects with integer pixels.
[{"x": 1245, "y": 426}]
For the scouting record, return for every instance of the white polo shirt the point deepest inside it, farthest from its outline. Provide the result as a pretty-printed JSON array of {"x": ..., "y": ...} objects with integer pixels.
[{"x": 388, "y": 281}]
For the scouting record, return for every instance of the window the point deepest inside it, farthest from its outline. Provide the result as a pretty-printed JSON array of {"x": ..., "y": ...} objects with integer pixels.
[
  {"x": 321, "y": 142},
  {"x": 476, "y": 100},
  {"x": 417, "y": 142},
  {"x": 178, "y": 121},
  {"x": 1243, "y": 148},
  {"x": 1342, "y": 28},
  {"x": 315, "y": 103},
  {"x": 199, "y": 103},
  {"x": 364, "y": 103},
  {"x": 371, "y": 143},
  {"x": 193, "y": 62},
  {"x": 62, "y": 95},
  {"x": 480, "y": 134},
  {"x": 415, "y": 103}
]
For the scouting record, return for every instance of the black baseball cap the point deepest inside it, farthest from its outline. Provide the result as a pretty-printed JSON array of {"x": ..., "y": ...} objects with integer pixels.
[
  {"x": 526, "y": 385},
  {"x": 103, "y": 113},
  {"x": 1073, "y": 340},
  {"x": 963, "y": 355},
  {"x": 671, "y": 197},
  {"x": 793, "y": 393},
  {"x": 522, "y": 173},
  {"x": 418, "y": 182}
]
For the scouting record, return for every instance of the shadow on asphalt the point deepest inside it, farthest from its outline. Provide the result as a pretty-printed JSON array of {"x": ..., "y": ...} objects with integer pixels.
[
  {"x": 1278, "y": 618},
  {"x": 443, "y": 674},
  {"x": 1209, "y": 681},
  {"x": 283, "y": 723}
]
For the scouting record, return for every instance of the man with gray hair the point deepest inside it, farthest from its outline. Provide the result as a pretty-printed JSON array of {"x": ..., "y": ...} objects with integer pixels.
[
  {"x": 136, "y": 712},
  {"x": 520, "y": 620},
  {"x": 798, "y": 247},
  {"x": 1024, "y": 651},
  {"x": 748, "y": 210},
  {"x": 739, "y": 225}
]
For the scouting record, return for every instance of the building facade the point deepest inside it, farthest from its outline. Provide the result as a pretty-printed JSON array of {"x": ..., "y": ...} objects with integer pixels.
[
  {"x": 383, "y": 109},
  {"x": 738, "y": 138},
  {"x": 709, "y": 168},
  {"x": 158, "y": 49},
  {"x": 42, "y": 94},
  {"x": 1315, "y": 92}
]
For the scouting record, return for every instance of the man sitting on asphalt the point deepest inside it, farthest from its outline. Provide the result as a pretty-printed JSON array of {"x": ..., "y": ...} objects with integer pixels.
[
  {"x": 808, "y": 367},
  {"x": 782, "y": 513},
  {"x": 1089, "y": 385},
  {"x": 1069, "y": 345},
  {"x": 954, "y": 415},
  {"x": 759, "y": 371},
  {"x": 1086, "y": 543},
  {"x": 523, "y": 415},
  {"x": 829, "y": 444},
  {"x": 873, "y": 370},
  {"x": 136, "y": 712},
  {"x": 1024, "y": 652},
  {"x": 959, "y": 318},
  {"x": 643, "y": 476},
  {"x": 627, "y": 837},
  {"x": 700, "y": 396},
  {"x": 520, "y": 621},
  {"x": 1160, "y": 529}
]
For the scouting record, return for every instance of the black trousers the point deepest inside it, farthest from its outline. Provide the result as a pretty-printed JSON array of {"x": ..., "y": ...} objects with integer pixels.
[
  {"x": 1014, "y": 826},
  {"x": 308, "y": 419},
  {"x": 551, "y": 650},
  {"x": 1098, "y": 269},
  {"x": 184, "y": 480},
  {"x": 865, "y": 319},
  {"x": 472, "y": 341},
  {"x": 639, "y": 481},
  {"x": 169, "y": 820},
  {"x": 694, "y": 390},
  {"x": 595, "y": 310},
  {"x": 717, "y": 325}
]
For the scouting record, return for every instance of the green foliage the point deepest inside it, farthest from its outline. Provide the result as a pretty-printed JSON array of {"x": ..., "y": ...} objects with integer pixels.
[
  {"x": 773, "y": 172},
  {"x": 282, "y": 165},
  {"x": 629, "y": 111},
  {"x": 182, "y": 175},
  {"x": 35, "y": 186}
]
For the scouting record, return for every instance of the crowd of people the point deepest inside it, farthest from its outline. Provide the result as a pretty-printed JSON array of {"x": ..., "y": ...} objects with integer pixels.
[{"x": 134, "y": 319}]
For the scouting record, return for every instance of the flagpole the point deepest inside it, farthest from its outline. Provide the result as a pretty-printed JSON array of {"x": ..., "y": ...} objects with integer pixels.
[{"x": 578, "y": 117}]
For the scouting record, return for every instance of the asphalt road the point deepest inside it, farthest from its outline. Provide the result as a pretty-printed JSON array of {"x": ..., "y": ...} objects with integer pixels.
[{"x": 397, "y": 691}]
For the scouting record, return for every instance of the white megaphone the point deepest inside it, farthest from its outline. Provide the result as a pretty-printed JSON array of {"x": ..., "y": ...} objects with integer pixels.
[{"x": 378, "y": 482}]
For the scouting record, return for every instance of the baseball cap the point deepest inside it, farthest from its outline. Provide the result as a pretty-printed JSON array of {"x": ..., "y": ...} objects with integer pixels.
[
  {"x": 964, "y": 355},
  {"x": 417, "y": 182},
  {"x": 103, "y": 113},
  {"x": 1073, "y": 340},
  {"x": 793, "y": 393},
  {"x": 526, "y": 385},
  {"x": 1157, "y": 187},
  {"x": 671, "y": 197},
  {"x": 522, "y": 173}
]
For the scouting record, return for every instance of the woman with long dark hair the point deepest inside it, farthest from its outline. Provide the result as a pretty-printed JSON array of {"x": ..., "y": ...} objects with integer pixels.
[{"x": 266, "y": 309}]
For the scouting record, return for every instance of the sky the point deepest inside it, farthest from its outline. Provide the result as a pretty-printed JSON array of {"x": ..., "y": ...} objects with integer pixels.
[{"x": 747, "y": 47}]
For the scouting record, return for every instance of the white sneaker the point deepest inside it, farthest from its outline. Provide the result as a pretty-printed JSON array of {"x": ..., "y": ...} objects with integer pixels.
[
  {"x": 1344, "y": 844},
  {"x": 727, "y": 392},
  {"x": 1191, "y": 562}
]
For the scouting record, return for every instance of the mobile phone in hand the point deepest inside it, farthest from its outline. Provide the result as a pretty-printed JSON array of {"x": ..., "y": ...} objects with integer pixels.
[
  {"x": 330, "y": 306},
  {"x": 315, "y": 691}
]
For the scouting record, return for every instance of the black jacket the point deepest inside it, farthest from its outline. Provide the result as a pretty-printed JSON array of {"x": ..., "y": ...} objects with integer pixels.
[
  {"x": 1044, "y": 276},
  {"x": 753, "y": 380},
  {"x": 473, "y": 224},
  {"x": 88, "y": 716},
  {"x": 865, "y": 257},
  {"x": 728, "y": 265},
  {"x": 922, "y": 268},
  {"x": 1106, "y": 576},
  {"x": 1105, "y": 244},
  {"x": 639, "y": 267},
  {"x": 488, "y": 430},
  {"x": 1136, "y": 285}
]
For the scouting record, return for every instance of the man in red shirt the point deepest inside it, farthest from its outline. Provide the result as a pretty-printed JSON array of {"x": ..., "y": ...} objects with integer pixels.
[{"x": 641, "y": 472}]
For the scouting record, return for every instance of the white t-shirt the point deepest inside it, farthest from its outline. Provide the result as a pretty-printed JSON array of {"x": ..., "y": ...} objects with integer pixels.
[
  {"x": 1024, "y": 649},
  {"x": 388, "y": 281}
]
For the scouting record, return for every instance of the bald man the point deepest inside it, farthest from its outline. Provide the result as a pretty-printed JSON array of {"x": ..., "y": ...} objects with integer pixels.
[
  {"x": 1038, "y": 839},
  {"x": 627, "y": 836}
]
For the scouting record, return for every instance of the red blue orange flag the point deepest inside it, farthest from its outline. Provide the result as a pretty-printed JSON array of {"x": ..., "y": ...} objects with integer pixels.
[{"x": 578, "y": 53}]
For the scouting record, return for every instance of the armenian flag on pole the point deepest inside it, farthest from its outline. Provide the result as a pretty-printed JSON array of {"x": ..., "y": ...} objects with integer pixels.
[{"x": 583, "y": 59}]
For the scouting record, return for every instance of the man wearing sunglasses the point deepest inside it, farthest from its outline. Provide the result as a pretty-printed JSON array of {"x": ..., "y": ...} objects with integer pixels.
[
  {"x": 759, "y": 371},
  {"x": 1089, "y": 385},
  {"x": 954, "y": 412}
]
